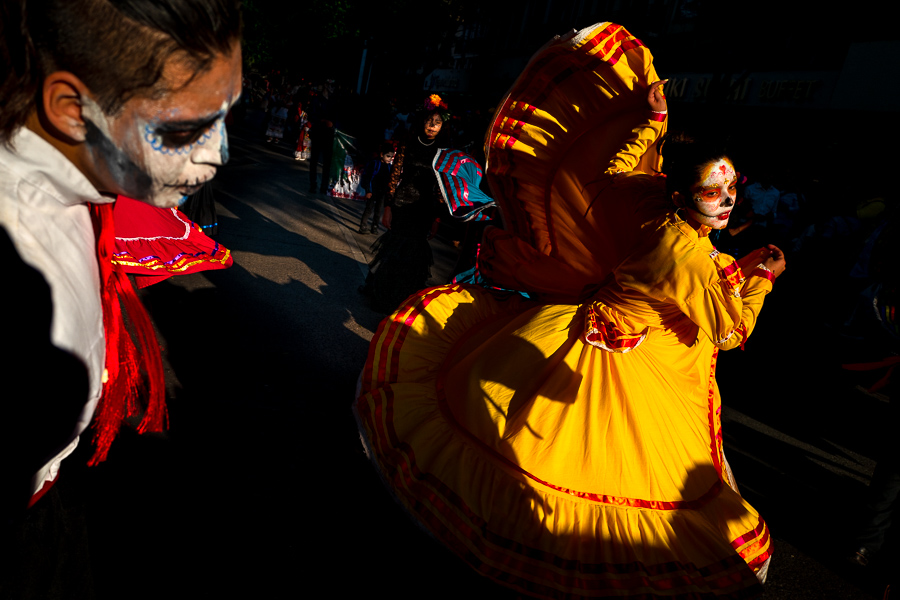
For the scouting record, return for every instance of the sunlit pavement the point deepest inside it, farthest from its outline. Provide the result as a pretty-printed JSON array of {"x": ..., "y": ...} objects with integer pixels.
[{"x": 260, "y": 489}]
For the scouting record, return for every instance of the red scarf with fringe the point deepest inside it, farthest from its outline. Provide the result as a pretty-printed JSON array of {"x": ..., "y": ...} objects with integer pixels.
[{"x": 122, "y": 388}]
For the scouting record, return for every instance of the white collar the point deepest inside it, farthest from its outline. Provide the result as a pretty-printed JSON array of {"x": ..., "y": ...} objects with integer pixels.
[{"x": 36, "y": 161}]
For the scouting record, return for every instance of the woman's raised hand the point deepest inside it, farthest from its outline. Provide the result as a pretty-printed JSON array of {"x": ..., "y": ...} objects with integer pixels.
[
  {"x": 655, "y": 96},
  {"x": 776, "y": 262},
  {"x": 748, "y": 262},
  {"x": 771, "y": 257}
]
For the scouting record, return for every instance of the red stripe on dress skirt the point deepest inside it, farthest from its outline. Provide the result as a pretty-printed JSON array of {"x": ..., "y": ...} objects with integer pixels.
[
  {"x": 390, "y": 376},
  {"x": 750, "y": 535},
  {"x": 400, "y": 336},
  {"x": 392, "y": 323},
  {"x": 373, "y": 350},
  {"x": 581, "y": 56},
  {"x": 764, "y": 539},
  {"x": 613, "y": 58},
  {"x": 426, "y": 498},
  {"x": 461, "y": 533},
  {"x": 634, "y": 502},
  {"x": 385, "y": 366},
  {"x": 584, "y": 54},
  {"x": 622, "y": 49},
  {"x": 713, "y": 491},
  {"x": 384, "y": 348},
  {"x": 582, "y": 60},
  {"x": 714, "y": 446},
  {"x": 620, "y": 43},
  {"x": 413, "y": 312},
  {"x": 517, "y": 126},
  {"x": 761, "y": 548},
  {"x": 609, "y": 35},
  {"x": 612, "y": 44},
  {"x": 425, "y": 503},
  {"x": 757, "y": 562}
]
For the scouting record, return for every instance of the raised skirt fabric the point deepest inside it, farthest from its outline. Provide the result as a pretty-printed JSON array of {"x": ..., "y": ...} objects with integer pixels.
[{"x": 550, "y": 465}]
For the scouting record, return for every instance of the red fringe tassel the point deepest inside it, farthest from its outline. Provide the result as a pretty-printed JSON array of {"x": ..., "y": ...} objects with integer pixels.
[{"x": 122, "y": 389}]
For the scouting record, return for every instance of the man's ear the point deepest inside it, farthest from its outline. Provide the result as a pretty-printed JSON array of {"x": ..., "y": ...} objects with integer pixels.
[
  {"x": 62, "y": 106},
  {"x": 678, "y": 199}
]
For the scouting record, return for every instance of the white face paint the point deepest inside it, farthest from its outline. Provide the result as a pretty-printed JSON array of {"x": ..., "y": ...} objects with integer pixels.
[
  {"x": 713, "y": 194},
  {"x": 162, "y": 150},
  {"x": 433, "y": 126}
]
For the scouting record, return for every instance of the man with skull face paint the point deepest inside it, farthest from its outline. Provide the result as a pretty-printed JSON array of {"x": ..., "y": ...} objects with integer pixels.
[
  {"x": 164, "y": 149},
  {"x": 131, "y": 100}
]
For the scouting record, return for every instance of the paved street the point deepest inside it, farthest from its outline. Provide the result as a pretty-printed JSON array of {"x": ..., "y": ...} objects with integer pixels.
[{"x": 260, "y": 489}]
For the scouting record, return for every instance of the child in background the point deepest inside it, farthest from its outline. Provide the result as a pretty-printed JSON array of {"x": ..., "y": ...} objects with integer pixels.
[
  {"x": 301, "y": 122},
  {"x": 375, "y": 180}
]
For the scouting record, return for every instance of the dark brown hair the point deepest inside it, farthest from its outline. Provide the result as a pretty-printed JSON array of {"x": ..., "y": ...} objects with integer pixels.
[
  {"x": 118, "y": 48},
  {"x": 683, "y": 159}
]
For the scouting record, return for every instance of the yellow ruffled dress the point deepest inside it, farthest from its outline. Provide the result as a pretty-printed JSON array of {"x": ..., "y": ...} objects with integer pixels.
[{"x": 571, "y": 447}]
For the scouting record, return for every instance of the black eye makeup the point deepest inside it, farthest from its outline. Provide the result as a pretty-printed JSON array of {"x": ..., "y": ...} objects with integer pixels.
[
  {"x": 183, "y": 133},
  {"x": 177, "y": 139}
]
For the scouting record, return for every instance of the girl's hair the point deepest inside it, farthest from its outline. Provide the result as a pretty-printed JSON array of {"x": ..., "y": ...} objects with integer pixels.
[
  {"x": 118, "y": 48},
  {"x": 683, "y": 159}
]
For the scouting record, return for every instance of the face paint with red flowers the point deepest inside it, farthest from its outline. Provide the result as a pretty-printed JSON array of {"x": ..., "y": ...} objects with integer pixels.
[{"x": 714, "y": 193}]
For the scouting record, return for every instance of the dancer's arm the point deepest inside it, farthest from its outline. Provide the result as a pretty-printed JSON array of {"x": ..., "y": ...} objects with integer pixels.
[
  {"x": 644, "y": 134},
  {"x": 728, "y": 313},
  {"x": 709, "y": 288}
]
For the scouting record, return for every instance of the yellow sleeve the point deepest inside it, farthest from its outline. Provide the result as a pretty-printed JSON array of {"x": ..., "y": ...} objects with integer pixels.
[
  {"x": 675, "y": 267},
  {"x": 726, "y": 310},
  {"x": 642, "y": 137}
]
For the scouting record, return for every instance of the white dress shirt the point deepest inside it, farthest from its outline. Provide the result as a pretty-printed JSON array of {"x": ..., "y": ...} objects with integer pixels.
[{"x": 43, "y": 207}]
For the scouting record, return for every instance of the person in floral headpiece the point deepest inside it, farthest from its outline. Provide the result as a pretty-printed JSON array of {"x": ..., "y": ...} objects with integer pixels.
[
  {"x": 434, "y": 102},
  {"x": 403, "y": 259}
]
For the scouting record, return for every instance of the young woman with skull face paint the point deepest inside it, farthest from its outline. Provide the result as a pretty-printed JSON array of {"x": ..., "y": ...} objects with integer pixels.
[
  {"x": 105, "y": 97},
  {"x": 702, "y": 182},
  {"x": 569, "y": 445}
]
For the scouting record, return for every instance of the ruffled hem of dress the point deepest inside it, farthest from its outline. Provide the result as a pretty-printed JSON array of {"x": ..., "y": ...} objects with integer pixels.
[
  {"x": 508, "y": 528},
  {"x": 528, "y": 534}
]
